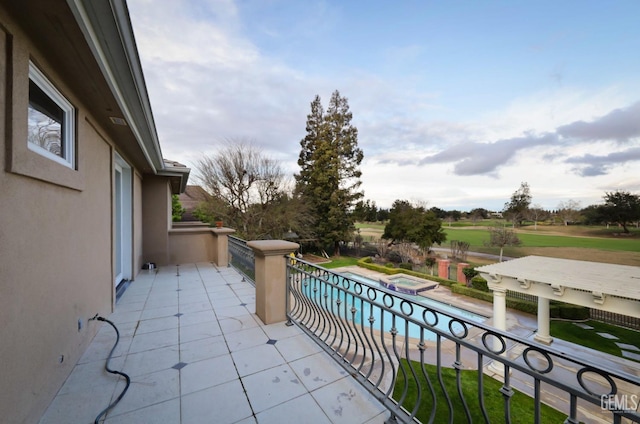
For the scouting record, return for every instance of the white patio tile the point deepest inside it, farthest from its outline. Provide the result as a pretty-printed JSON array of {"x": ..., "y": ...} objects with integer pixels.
[
  {"x": 201, "y": 305},
  {"x": 131, "y": 306},
  {"x": 87, "y": 375},
  {"x": 161, "y": 301},
  {"x": 206, "y": 387},
  {"x": 157, "y": 324},
  {"x": 78, "y": 407},
  {"x": 164, "y": 311},
  {"x": 185, "y": 299},
  {"x": 225, "y": 301},
  {"x": 317, "y": 370},
  {"x": 302, "y": 409},
  {"x": 246, "y": 338},
  {"x": 190, "y": 318},
  {"x": 272, "y": 387},
  {"x": 345, "y": 401},
  {"x": 297, "y": 347},
  {"x": 129, "y": 297},
  {"x": 231, "y": 324},
  {"x": 150, "y": 361},
  {"x": 99, "y": 349},
  {"x": 256, "y": 359},
  {"x": 155, "y": 340},
  {"x": 222, "y": 404},
  {"x": 211, "y": 372},
  {"x": 147, "y": 390},
  {"x": 280, "y": 330},
  {"x": 121, "y": 317},
  {"x": 231, "y": 311},
  {"x": 160, "y": 413},
  {"x": 198, "y": 331},
  {"x": 198, "y": 350}
]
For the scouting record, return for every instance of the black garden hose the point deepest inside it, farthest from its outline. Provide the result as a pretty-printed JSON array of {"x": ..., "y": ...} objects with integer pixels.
[{"x": 106, "y": 367}]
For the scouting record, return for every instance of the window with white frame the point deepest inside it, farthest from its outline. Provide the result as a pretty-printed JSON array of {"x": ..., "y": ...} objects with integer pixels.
[{"x": 51, "y": 120}]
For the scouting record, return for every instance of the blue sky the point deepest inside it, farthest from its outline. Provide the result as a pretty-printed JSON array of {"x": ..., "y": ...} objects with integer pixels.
[{"x": 456, "y": 102}]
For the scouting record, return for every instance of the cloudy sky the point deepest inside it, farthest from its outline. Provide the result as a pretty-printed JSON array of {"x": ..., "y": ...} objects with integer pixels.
[{"x": 456, "y": 102}]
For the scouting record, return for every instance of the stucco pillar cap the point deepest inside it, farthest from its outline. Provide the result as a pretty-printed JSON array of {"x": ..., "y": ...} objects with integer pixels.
[
  {"x": 272, "y": 247},
  {"x": 223, "y": 231}
]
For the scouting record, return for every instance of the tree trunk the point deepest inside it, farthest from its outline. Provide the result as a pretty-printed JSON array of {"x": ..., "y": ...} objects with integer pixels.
[{"x": 501, "y": 249}]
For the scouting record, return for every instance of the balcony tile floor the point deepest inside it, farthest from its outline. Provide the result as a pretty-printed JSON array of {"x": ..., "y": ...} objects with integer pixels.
[{"x": 197, "y": 353}]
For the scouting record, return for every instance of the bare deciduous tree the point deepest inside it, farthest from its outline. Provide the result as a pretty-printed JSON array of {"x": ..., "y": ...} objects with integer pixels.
[
  {"x": 501, "y": 237},
  {"x": 537, "y": 213},
  {"x": 569, "y": 211},
  {"x": 250, "y": 191}
]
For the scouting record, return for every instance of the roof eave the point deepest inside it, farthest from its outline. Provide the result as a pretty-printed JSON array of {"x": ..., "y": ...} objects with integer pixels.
[{"x": 109, "y": 33}]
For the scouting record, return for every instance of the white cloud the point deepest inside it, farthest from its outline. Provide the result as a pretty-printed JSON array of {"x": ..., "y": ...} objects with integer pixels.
[{"x": 209, "y": 82}]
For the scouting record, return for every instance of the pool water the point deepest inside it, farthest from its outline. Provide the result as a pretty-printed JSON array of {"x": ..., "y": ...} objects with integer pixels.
[{"x": 384, "y": 319}]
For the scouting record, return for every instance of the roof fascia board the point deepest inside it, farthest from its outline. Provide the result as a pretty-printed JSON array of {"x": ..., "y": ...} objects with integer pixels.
[{"x": 128, "y": 87}]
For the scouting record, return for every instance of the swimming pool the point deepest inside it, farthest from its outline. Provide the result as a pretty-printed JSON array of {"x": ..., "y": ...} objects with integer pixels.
[{"x": 424, "y": 309}]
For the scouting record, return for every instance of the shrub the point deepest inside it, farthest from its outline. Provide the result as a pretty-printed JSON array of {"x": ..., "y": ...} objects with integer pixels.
[
  {"x": 479, "y": 283},
  {"x": 469, "y": 272},
  {"x": 405, "y": 266},
  {"x": 394, "y": 256},
  {"x": 368, "y": 260},
  {"x": 567, "y": 311},
  {"x": 389, "y": 265}
]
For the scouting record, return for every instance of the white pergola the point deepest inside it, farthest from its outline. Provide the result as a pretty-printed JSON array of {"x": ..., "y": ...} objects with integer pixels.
[{"x": 613, "y": 288}]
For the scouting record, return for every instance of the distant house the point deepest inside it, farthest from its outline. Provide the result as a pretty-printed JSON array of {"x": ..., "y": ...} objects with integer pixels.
[
  {"x": 86, "y": 193},
  {"x": 192, "y": 197}
]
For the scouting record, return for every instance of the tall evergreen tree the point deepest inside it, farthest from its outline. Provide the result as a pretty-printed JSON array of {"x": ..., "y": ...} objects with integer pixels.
[{"x": 329, "y": 175}]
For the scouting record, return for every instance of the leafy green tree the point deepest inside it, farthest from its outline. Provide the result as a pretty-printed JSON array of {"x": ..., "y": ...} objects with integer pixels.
[
  {"x": 329, "y": 177},
  {"x": 516, "y": 209},
  {"x": 621, "y": 207},
  {"x": 410, "y": 224},
  {"x": 478, "y": 214},
  {"x": 365, "y": 211},
  {"x": 176, "y": 208}
]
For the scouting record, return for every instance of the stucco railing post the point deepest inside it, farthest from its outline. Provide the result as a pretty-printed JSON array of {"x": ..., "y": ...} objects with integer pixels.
[
  {"x": 271, "y": 278},
  {"x": 221, "y": 245},
  {"x": 443, "y": 268},
  {"x": 460, "y": 277}
]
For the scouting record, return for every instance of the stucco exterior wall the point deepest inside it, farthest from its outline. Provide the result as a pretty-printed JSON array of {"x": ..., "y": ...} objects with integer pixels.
[
  {"x": 138, "y": 258},
  {"x": 56, "y": 241},
  {"x": 188, "y": 245},
  {"x": 156, "y": 219}
]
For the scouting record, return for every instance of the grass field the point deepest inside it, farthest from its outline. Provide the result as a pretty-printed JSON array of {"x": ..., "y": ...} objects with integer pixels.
[
  {"x": 597, "y": 244},
  {"x": 588, "y": 337},
  {"x": 522, "y": 406}
]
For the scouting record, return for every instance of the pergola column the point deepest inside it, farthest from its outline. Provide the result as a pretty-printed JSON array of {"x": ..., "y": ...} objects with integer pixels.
[
  {"x": 499, "y": 322},
  {"x": 542, "y": 335}
]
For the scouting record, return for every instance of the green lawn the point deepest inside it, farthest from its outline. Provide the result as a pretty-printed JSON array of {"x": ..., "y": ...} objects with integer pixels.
[
  {"x": 477, "y": 238},
  {"x": 521, "y": 404},
  {"x": 572, "y": 333},
  {"x": 340, "y": 262}
]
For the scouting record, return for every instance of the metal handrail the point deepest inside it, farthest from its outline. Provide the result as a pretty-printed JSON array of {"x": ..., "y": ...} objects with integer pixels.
[
  {"x": 242, "y": 258},
  {"x": 341, "y": 315}
]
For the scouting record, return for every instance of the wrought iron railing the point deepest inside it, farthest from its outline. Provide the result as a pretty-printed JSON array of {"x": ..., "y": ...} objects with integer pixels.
[
  {"x": 416, "y": 359},
  {"x": 241, "y": 257}
]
